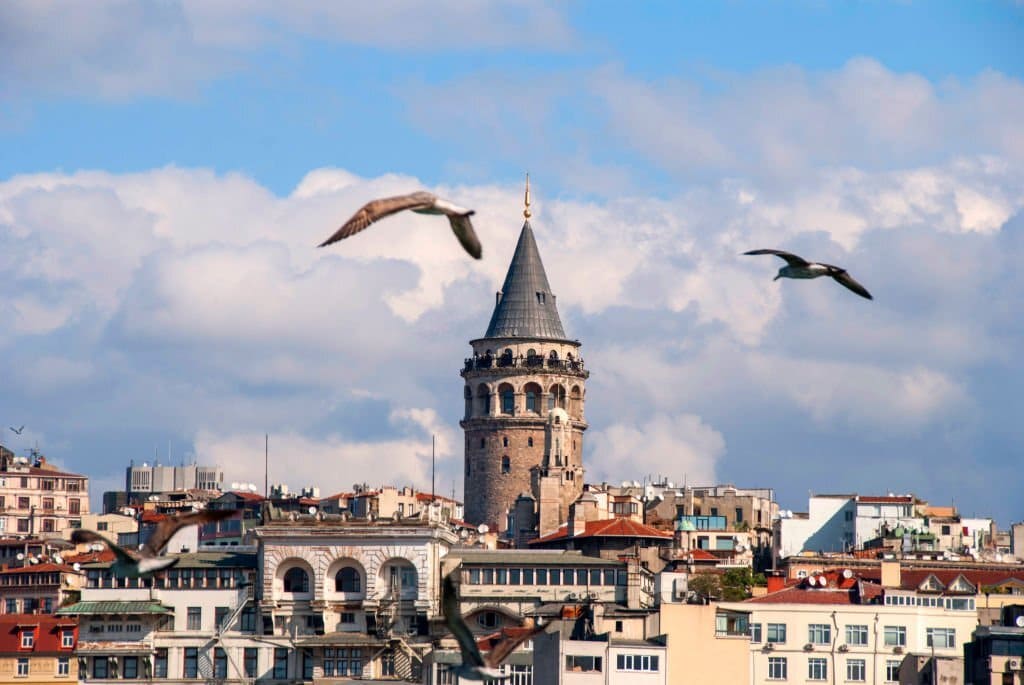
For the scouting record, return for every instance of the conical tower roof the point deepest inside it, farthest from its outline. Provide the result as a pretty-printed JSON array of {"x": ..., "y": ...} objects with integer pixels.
[{"x": 526, "y": 306}]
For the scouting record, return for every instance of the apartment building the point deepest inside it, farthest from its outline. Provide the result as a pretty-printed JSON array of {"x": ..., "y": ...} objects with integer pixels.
[
  {"x": 38, "y": 649},
  {"x": 37, "y": 587},
  {"x": 38, "y": 499},
  {"x": 835, "y": 625}
]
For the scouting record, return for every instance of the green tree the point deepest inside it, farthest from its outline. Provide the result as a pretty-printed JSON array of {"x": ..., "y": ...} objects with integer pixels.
[
  {"x": 706, "y": 585},
  {"x": 737, "y": 583}
]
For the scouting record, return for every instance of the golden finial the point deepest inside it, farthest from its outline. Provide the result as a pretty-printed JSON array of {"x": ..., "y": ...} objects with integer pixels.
[{"x": 526, "y": 212}]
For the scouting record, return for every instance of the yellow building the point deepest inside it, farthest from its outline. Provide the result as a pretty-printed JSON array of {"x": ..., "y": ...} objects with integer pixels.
[
  {"x": 707, "y": 643},
  {"x": 36, "y": 648}
]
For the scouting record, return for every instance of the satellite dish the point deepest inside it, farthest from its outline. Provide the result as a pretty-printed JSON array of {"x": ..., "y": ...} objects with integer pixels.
[
  {"x": 311, "y": 510},
  {"x": 626, "y": 483},
  {"x": 463, "y": 533},
  {"x": 234, "y": 485},
  {"x": 482, "y": 528},
  {"x": 58, "y": 559},
  {"x": 33, "y": 560},
  {"x": 76, "y": 566},
  {"x": 96, "y": 547},
  {"x": 1019, "y": 621},
  {"x": 20, "y": 556},
  {"x": 812, "y": 581},
  {"x": 847, "y": 573}
]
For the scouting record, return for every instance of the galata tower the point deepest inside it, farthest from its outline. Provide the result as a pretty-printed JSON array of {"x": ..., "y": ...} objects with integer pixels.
[{"x": 524, "y": 392}]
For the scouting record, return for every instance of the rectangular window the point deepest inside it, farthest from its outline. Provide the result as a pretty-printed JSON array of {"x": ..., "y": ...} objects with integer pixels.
[
  {"x": 856, "y": 670},
  {"x": 23, "y": 503},
  {"x": 63, "y": 665},
  {"x": 776, "y": 632},
  {"x": 739, "y": 514},
  {"x": 528, "y": 576},
  {"x": 195, "y": 619},
  {"x": 219, "y": 614},
  {"x": 191, "y": 664},
  {"x": 307, "y": 664},
  {"x": 514, "y": 576},
  {"x": 542, "y": 576},
  {"x": 251, "y": 662},
  {"x": 248, "y": 622},
  {"x": 582, "y": 664},
  {"x": 636, "y": 662},
  {"x": 99, "y": 667},
  {"x": 940, "y": 638},
  {"x": 355, "y": 664},
  {"x": 22, "y": 525},
  {"x": 74, "y": 506},
  {"x": 348, "y": 617},
  {"x": 755, "y": 632},
  {"x": 488, "y": 576},
  {"x": 895, "y": 636},
  {"x": 130, "y": 667},
  {"x": 502, "y": 578},
  {"x": 220, "y": 663},
  {"x": 48, "y": 504},
  {"x": 474, "y": 576},
  {"x": 856, "y": 635},
  {"x": 817, "y": 668},
  {"x": 160, "y": 663},
  {"x": 892, "y": 671},
  {"x": 23, "y": 666},
  {"x": 609, "y": 577},
  {"x": 11, "y": 605},
  {"x": 28, "y": 638},
  {"x": 819, "y": 633},
  {"x": 581, "y": 576},
  {"x": 777, "y": 668},
  {"x": 280, "y": 663},
  {"x": 595, "y": 576}
]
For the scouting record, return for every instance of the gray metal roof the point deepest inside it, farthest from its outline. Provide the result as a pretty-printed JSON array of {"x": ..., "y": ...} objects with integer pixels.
[{"x": 526, "y": 306}]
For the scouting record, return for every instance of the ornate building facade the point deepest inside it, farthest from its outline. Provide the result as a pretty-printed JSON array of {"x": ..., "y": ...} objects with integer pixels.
[{"x": 524, "y": 395}]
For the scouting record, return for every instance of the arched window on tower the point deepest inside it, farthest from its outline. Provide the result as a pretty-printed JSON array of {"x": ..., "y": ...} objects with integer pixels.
[
  {"x": 483, "y": 394},
  {"x": 504, "y": 441},
  {"x": 506, "y": 465},
  {"x": 529, "y": 442},
  {"x": 532, "y": 392},
  {"x": 483, "y": 443},
  {"x": 508, "y": 399}
]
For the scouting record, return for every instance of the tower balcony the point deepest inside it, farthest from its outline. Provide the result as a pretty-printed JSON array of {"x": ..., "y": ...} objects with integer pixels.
[{"x": 522, "y": 365}]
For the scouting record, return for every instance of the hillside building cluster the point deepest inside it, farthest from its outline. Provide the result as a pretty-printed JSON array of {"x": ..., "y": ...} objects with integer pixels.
[{"x": 638, "y": 582}]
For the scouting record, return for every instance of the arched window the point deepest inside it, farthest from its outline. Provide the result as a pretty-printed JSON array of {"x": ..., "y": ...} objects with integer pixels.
[
  {"x": 553, "y": 355},
  {"x": 504, "y": 441},
  {"x": 529, "y": 442},
  {"x": 483, "y": 443},
  {"x": 483, "y": 394},
  {"x": 348, "y": 580},
  {"x": 506, "y": 465},
  {"x": 296, "y": 580},
  {"x": 488, "y": 619},
  {"x": 508, "y": 398},
  {"x": 556, "y": 397},
  {"x": 532, "y": 392}
]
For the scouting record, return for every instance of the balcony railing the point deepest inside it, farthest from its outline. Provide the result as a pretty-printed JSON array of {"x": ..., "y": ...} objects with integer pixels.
[{"x": 536, "y": 362}]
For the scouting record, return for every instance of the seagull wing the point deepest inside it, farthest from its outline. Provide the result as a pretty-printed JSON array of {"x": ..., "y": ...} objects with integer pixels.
[
  {"x": 463, "y": 229},
  {"x": 378, "y": 209},
  {"x": 453, "y": 618},
  {"x": 843, "y": 278},
  {"x": 166, "y": 529},
  {"x": 81, "y": 535},
  {"x": 501, "y": 650},
  {"x": 791, "y": 259}
]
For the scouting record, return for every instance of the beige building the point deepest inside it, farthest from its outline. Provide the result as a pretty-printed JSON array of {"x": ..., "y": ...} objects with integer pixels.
[
  {"x": 37, "y": 499},
  {"x": 836, "y": 627},
  {"x": 707, "y": 644},
  {"x": 109, "y": 525},
  {"x": 38, "y": 649}
]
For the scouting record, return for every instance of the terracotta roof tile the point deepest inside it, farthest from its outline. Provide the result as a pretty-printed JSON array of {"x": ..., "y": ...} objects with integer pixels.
[
  {"x": 47, "y": 631},
  {"x": 617, "y": 527}
]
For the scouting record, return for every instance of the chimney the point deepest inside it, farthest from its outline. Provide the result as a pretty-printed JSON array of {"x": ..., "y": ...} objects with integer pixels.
[
  {"x": 891, "y": 574},
  {"x": 776, "y": 582}
]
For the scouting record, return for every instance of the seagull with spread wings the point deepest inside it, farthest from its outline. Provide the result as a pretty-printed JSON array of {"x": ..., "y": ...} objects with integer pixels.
[
  {"x": 798, "y": 267},
  {"x": 420, "y": 202},
  {"x": 149, "y": 559},
  {"x": 474, "y": 666},
  {"x": 17, "y": 431}
]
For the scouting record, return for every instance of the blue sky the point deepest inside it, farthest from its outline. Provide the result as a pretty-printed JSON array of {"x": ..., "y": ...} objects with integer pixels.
[{"x": 167, "y": 167}]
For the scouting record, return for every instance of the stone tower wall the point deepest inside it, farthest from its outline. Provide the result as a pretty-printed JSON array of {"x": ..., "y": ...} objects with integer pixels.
[{"x": 489, "y": 491}]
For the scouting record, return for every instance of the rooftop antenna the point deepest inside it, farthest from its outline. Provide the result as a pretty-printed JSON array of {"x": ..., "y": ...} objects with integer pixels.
[
  {"x": 433, "y": 464},
  {"x": 266, "y": 464}
]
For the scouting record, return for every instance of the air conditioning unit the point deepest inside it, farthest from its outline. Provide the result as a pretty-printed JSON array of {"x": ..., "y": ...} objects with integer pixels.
[
  {"x": 1013, "y": 665},
  {"x": 897, "y": 650},
  {"x": 844, "y": 648},
  {"x": 769, "y": 647},
  {"x": 809, "y": 647}
]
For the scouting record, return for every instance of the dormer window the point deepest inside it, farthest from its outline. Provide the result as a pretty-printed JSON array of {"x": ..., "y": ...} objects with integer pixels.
[
  {"x": 28, "y": 639},
  {"x": 540, "y": 298}
]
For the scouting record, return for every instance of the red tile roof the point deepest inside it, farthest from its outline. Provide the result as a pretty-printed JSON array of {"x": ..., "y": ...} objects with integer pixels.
[
  {"x": 47, "y": 631},
  {"x": 888, "y": 499},
  {"x": 40, "y": 568},
  {"x": 910, "y": 579},
  {"x": 103, "y": 556},
  {"x": 488, "y": 642},
  {"x": 617, "y": 527},
  {"x": 248, "y": 496},
  {"x": 702, "y": 555},
  {"x": 837, "y": 589}
]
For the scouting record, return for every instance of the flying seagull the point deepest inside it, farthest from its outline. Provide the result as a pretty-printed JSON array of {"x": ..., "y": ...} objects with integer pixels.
[
  {"x": 798, "y": 267},
  {"x": 474, "y": 666},
  {"x": 420, "y": 202},
  {"x": 149, "y": 559},
  {"x": 17, "y": 431}
]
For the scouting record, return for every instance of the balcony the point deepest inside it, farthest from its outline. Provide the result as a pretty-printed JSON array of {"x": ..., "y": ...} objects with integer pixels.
[{"x": 524, "y": 364}]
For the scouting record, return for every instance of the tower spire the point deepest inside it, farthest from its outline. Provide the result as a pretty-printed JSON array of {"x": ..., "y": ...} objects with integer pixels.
[{"x": 526, "y": 198}]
